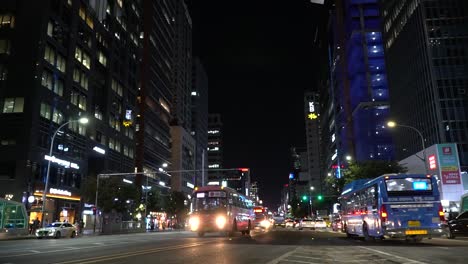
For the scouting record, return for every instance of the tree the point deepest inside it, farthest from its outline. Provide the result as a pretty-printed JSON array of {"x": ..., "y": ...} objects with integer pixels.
[
  {"x": 176, "y": 204},
  {"x": 363, "y": 170},
  {"x": 297, "y": 211},
  {"x": 153, "y": 202},
  {"x": 113, "y": 195}
]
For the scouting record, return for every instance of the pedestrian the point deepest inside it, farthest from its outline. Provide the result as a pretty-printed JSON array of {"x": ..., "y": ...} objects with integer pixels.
[
  {"x": 35, "y": 225},
  {"x": 81, "y": 224}
]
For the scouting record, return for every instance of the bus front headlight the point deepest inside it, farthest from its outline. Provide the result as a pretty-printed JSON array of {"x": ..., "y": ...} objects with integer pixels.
[
  {"x": 220, "y": 221},
  {"x": 194, "y": 223}
]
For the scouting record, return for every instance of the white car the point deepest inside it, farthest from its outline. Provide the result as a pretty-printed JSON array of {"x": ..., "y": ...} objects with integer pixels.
[
  {"x": 57, "y": 230},
  {"x": 320, "y": 223},
  {"x": 306, "y": 223}
]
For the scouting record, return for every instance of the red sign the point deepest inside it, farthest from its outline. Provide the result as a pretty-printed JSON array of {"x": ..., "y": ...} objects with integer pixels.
[
  {"x": 447, "y": 150},
  {"x": 451, "y": 177},
  {"x": 432, "y": 162}
]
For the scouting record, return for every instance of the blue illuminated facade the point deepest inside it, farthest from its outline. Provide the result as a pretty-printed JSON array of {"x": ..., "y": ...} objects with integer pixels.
[{"x": 359, "y": 107}]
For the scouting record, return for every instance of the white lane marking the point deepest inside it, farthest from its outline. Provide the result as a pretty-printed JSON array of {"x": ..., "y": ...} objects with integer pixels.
[
  {"x": 306, "y": 257},
  {"x": 394, "y": 256},
  {"x": 34, "y": 251},
  {"x": 298, "y": 261},
  {"x": 282, "y": 257}
]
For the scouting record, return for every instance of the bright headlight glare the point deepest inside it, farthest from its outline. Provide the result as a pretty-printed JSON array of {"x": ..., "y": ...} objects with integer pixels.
[
  {"x": 265, "y": 223},
  {"x": 220, "y": 221},
  {"x": 194, "y": 222}
]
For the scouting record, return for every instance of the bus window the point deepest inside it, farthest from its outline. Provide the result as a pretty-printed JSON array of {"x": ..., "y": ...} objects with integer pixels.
[{"x": 408, "y": 186}]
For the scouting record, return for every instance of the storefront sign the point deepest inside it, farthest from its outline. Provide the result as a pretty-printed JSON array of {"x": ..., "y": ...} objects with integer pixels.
[
  {"x": 61, "y": 162},
  {"x": 59, "y": 191}
]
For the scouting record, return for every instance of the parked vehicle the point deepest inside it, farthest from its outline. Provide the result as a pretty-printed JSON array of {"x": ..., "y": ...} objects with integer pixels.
[
  {"x": 458, "y": 226},
  {"x": 57, "y": 230}
]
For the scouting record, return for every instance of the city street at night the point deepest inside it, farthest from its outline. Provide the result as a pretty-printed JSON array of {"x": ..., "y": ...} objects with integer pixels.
[{"x": 277, "y": 246}]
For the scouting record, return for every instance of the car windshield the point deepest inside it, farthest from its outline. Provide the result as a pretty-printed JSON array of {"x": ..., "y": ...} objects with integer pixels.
[{"x": 55, "y": 225}]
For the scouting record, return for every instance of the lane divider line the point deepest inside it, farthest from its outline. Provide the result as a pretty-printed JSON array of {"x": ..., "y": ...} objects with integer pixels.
[
  {"x": 135, "y": 253},
  {"x": 393, "y": 255}
]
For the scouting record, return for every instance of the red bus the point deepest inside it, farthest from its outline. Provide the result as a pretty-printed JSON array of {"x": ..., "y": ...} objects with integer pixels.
[{"x": 220, "y": 209}]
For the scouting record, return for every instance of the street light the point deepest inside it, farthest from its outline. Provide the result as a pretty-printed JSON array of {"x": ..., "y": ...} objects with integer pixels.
[
  {"x": 82, "y": 120},
  {"x": 392, "y": 124}
]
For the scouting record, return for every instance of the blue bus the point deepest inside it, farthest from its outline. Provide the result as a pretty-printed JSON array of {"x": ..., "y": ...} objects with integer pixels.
[{"x": 393, "y": 206}]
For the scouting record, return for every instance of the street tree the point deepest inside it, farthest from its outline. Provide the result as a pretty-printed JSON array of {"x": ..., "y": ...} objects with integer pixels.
[
  {"x": 362, "y": 170},
  {"x": 176, "y": 205}
]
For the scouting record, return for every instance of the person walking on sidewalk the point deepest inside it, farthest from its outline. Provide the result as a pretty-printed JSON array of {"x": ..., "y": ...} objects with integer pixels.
[{"x": 81, "y": 225}]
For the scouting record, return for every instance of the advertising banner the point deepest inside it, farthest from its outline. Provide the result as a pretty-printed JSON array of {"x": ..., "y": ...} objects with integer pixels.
[{"x": 449, "y": 164}]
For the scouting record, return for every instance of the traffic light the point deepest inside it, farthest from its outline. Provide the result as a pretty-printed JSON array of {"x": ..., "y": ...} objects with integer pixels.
[
  {"x": 304, "y": 198},
  {"x": 320, "y": 197}
]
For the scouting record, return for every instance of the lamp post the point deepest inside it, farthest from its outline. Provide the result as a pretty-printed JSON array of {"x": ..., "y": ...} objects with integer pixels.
[
  {"x": 392, "y": 124},
  {"x": 82, "y": 120},
  {"x": 312, "y": 188}
]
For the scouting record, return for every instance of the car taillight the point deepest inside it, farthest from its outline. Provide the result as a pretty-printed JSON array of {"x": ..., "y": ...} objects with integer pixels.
[
  {"x": 441, "y": 213},
  {"x": 383, "y": 214}
]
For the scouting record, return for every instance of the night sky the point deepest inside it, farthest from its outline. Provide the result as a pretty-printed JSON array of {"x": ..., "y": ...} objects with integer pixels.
[{"x": 260, "y": 56}]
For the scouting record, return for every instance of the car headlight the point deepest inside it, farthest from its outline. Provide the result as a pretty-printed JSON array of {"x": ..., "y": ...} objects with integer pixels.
[
  {"x": 194, "y": 223},
  {"x": 220, "y": 221},
  {"x": 265, "y": 223}
]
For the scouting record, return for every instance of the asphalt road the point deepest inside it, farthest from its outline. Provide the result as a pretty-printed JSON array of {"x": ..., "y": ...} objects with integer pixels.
[{"x": 277, "y": 246}]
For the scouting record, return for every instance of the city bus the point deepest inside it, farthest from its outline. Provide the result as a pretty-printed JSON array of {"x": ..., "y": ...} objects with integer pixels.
[
  {"x": 220, "y": 209},
  {"x": 393, "y": 206}
]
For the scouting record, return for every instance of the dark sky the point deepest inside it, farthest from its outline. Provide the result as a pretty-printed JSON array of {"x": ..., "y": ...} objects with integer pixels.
[{"x": 260, "y": 56}]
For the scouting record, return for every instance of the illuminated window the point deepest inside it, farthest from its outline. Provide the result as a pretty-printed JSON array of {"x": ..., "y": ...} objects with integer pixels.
[
  {"x": 48, "y": 81},
  {"x": 3, "y": 72},
  {"x": 61, "y": 63},
  {"x": 97, "y": 113},
  {"x": 78, "y": 99},
  {"x": 116, "y": 87},
  {"x": 50, "y": 29},
  {"x": 4, "y": 46},
  {"x": 49, "y": 54},
  {"x": 81, "y": 78},
  {"x": 102, "y": 58},
  {"x": 82, "y": 57},
  {"x": 13, "y": 105},
  {"x": 111, "y": 143},
  {"x": 45, "y": 111},
  {"x": 57, "y": 117},
  {"x": 77, "y": 127},
  {"x": 7, "y": 21}
]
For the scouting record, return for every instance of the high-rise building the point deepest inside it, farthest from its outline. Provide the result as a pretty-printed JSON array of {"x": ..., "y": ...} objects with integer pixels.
[
  {"x": 183, "y": 164},
  {"x": 155, "y": 96},
  {"x": 61, "y": 60},
  {"x": 313, "y": 132},
  {"x": 357, "y": 106},
  {"x": 215, "y": 147},
  {"x": 427, "y": 62},
  {"x": 200, "y": 120}
]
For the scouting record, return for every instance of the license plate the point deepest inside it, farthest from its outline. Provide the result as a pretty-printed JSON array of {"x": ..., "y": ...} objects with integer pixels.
[
  {"x": 416, "y": 232},
  {"x": 414, "y": 223}
]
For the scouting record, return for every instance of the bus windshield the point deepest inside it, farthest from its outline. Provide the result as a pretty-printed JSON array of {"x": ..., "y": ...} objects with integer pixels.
[
  {"x": 206, "y": 201},
  {"x": 409, "y": 186}
]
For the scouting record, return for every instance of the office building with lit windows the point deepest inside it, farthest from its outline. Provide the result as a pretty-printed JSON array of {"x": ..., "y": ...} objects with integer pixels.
[
  {"x": 61, "y": 60},
  {"x": 426, "y": 46},
  {"x": 215, "y": 147},
  {"x": 356, "y": 96}
]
